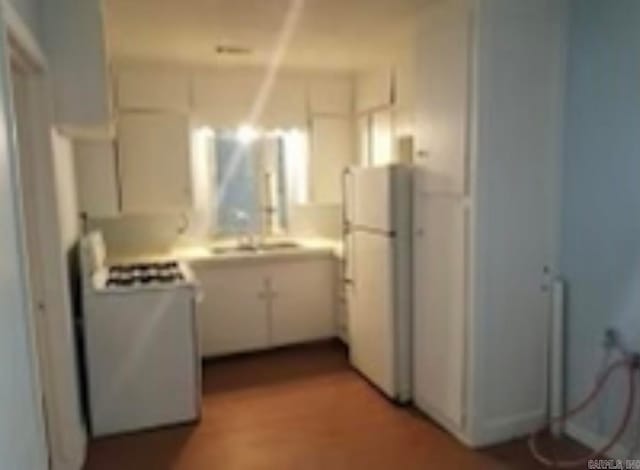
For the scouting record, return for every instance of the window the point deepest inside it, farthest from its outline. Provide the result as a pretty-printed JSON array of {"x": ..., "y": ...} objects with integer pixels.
[
  {"x": 254, "y": 179},
  {"x": 237, "y": 207}
]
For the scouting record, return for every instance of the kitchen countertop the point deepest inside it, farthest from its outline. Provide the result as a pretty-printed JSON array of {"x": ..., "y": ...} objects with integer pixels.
[{"x": 199, "y": 254}]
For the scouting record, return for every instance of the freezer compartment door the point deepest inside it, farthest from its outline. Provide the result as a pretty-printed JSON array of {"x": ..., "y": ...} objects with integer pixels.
[
  {"x": 371, "y": 310},
  {"x": 370, "y": 198}
]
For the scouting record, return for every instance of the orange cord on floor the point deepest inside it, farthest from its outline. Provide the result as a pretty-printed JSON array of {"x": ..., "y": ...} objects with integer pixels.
[{"x": 630, "y": 365}]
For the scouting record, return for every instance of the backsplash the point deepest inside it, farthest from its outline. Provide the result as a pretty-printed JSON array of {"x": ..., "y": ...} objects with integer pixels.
[
  {"x": 133, "y": 234},
  {"x": 151, "y": 233},
  {"x": 316, "y": 220}
]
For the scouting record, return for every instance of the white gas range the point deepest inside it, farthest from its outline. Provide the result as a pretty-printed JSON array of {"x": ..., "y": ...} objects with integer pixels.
[{"x": 141, "y": 342}]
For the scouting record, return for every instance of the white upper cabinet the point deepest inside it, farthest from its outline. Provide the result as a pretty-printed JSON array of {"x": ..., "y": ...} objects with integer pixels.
[
  {"x": 442, "y": 95},
  {"x": 158, "y": 88},
  {"x": 374, "y": 90},
  {"x": 155, "y": 162},
  {"x": 96, "y": 178},
  {"x": 76, "y": 52},
  {"x": 331, "y": 95},
  {"x": 224, "y": 99},
  {"x": 228, "y": 98},
  {"x": 332, "y": 150},
  {"x": 382, "y": 138},
  {"x": 285, "y": 104}
]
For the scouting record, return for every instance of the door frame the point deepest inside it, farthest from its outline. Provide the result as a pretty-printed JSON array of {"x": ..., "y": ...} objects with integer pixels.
[{"x": 66, "y": 442}]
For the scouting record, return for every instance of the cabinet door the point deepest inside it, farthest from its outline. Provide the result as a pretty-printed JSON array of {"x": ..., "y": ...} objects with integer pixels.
[
  {"x": 96, "y": 178},
  {"x": 439, "y": 312},
  {"x": 233, "y": 315},
  {"x": 442, "y": 109},
  {"x": 154, "y": 156},
  {"x": 332, "y": 151},
  {"x": 331, "y": 95},
  {"x": 374, "y": 90},
  {"x": 285, "y": 106},
  {"x": 303, "y": 306},
  {"x": 77, "y": 64},
  {"x": 153, "y": 89},
  {"x": 225, "y": 98},
  {"x": 382, "y": 138}
]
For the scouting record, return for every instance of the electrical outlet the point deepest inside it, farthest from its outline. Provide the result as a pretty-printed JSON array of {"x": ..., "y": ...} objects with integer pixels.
[{"x": 611, "y": 338}]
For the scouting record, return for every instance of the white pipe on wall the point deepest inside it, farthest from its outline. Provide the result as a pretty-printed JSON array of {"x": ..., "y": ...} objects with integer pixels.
[{"x": 556, "y": 372}]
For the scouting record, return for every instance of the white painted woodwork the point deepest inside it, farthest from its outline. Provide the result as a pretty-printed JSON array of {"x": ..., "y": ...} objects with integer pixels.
[
  {"x": 519, "y": 148},
  {"x": 332, "y": 151},
  {"x": 364, "y": 140},
  {"x": 374, "y": 89},
  {"x": 97, "y": 178},
  {"x": 304, "y": 306},
  {"x": 499, "y": 390},
  {"x": 228, "y": 98},
  {"x": 382, "y": 138},
  {"x": 233, "y": 315},
  {"x": 442, "y": 94},
  {"x": 256, "y": 305},
  {"x": 224, "y": 99},
  {"x": 23, "y": 440},
  {"x": 154, "y": 162},
  {"x": 160, "y": 89},
  {"x": 440, "y": 296},
  {"x": 285, "y": 105},
  {"x": 330, "y": 95},
  {"x": 77, "y": 61}
]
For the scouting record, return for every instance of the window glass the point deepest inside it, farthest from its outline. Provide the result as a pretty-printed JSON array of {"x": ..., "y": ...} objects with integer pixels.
[
  {"x": 237, "y": 201},
  {"x": 254, "y": 181}
]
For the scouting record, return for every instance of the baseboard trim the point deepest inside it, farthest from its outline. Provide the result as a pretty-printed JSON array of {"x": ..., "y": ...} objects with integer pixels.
[
  {"x": 486, "y": 434},
  {"x": 595, "y": 440}
]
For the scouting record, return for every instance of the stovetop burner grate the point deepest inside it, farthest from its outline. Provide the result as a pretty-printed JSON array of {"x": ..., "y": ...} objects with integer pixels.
[{"x": 143, "y": 274}]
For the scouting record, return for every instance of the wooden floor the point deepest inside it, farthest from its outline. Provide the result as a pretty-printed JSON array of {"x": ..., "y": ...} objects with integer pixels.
[{"x": 298, "y": 409}]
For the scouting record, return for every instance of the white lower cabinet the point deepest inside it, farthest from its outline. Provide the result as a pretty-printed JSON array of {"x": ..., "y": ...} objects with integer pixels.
[
  {"x": 249, "y": 306},
  {"x": 232, "y": 316},
  {"x": 303, "y": 306}
]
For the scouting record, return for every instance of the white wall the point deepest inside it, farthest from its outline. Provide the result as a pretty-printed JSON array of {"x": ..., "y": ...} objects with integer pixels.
[
  {"x": 600, "y": 250},
  {"x": 30, "y": 12},
  {"x": 22, "y": 438}
]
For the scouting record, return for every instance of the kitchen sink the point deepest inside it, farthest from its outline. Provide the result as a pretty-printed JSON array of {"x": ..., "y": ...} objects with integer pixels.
[
  {"x": 267, "y": 246},
  {"x": 279, "y": 245}
]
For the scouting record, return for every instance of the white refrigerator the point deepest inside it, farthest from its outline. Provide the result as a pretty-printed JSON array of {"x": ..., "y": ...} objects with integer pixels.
[{"x": 378, "y": 234}]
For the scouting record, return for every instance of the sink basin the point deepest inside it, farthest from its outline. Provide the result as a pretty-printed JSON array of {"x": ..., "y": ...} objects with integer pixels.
[
  {"x": 260, "y": 248},
  {"x": 225, "y": 250},
  {"x": 280, "y": 245}
]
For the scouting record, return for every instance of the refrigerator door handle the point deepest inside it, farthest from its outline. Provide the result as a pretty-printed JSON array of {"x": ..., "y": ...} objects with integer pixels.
[
  {"x": 373, "y": 231},
  {"x": 347, "y": 176}
]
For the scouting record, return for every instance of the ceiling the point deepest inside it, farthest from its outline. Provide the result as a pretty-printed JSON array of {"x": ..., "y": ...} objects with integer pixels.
[{"x": 331, "y": 34}]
